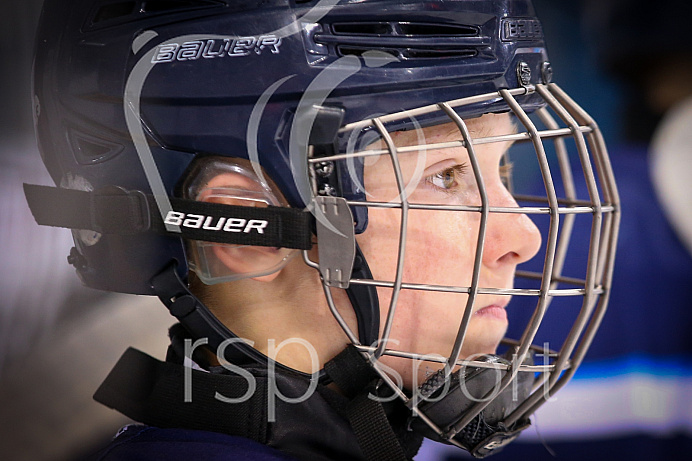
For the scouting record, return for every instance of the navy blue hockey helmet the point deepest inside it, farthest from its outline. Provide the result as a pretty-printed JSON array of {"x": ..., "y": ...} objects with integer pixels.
[
  {"x": 190, "y": 74},
  {"x": 129, "y": 95}
]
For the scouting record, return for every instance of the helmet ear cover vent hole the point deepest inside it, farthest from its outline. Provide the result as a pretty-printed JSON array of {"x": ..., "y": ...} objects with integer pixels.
[
  {"x": 113, "y": 11},
  {"x": 160, "y": 6},
  {"x": 88, "y": 149},
  {"x": 137, "y": 9}
]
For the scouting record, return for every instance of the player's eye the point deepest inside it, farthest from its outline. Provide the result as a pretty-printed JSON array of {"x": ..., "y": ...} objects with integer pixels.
[{"x": 447, "y": 179}]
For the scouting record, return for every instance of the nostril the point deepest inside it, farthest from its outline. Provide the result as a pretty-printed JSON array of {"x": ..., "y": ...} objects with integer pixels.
[{"x": 508, "y": 258}]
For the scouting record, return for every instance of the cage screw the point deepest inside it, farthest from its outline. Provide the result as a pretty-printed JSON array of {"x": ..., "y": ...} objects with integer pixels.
[
  {"x": 523, "y": 73},
  {"x": 327, "y": 190},
  {"x": 324, "y": 169},
  {"x": 547, "y": 72}
]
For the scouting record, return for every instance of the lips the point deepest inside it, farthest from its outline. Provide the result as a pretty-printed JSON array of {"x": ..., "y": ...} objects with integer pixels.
[{"x": 494, "y": 311}]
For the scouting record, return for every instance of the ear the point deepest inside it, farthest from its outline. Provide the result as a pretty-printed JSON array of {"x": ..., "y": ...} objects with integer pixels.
[{"x": 241, "y": 259}]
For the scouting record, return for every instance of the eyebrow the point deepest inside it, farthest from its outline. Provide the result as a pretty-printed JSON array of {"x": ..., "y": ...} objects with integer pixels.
[
  {"x": 477, "y": 129},
  {"x": 483, "y": 129}
]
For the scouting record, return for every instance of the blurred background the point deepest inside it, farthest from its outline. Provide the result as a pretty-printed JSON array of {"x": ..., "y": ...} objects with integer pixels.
[
  {"x": 628, "y": 62},
  {"x": 58, "y": 339}
]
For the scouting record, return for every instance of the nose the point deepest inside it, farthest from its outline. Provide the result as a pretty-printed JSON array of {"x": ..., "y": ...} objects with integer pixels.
[{"x": 511, "y": 238}]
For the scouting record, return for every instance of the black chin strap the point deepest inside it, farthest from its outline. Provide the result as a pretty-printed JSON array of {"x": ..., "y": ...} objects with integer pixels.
[
  {"x": 367, "y": 416},
  {"x": 349, "y": 370},
  {"x": 170, "y": 395},
  {"x": 160, "y": 394},
  {"x": 364, "y": 301}
]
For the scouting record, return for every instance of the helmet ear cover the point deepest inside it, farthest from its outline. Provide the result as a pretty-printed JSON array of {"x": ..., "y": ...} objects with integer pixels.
[{"x": 237, "y": 182}]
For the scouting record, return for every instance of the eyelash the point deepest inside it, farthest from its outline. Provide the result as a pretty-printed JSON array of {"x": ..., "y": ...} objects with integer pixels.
[
  {"x": 456, "y": 170},
  {"x": 505, "y": 172}
]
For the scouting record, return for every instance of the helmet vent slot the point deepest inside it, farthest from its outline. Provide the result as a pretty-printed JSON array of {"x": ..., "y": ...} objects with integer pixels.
[
  {"x": 431, "y": 54},
  {"x": 410, "y": 29},
  {"x": 409, "y": 53},
  {"x": 436, "y": 30},
  {"x": 362, "y": 28},
  {"x": 405, "y": 40},
  {"x": 358, "y": 51}
]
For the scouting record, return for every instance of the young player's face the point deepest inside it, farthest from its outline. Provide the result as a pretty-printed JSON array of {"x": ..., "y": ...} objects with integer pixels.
[{"x": 441, "y": 245}]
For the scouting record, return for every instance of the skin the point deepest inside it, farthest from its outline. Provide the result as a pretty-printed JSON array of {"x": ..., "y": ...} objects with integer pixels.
[
  {"x": 440, "y": 250},
  {"x": 441, "y": 245}
]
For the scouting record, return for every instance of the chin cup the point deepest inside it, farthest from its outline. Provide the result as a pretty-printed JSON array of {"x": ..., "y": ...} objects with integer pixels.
[{"x": 445, "y": 401}]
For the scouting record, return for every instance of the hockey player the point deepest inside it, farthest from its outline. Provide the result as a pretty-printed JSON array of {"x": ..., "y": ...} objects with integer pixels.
[{"x": 319, "y": 192}]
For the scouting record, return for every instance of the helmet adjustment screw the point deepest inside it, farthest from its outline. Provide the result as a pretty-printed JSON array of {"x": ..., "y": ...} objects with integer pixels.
[
  {"x": 324, "y": 169},
  {"x": 523, "y": 73},
  {"x": 76, "y": 259}
]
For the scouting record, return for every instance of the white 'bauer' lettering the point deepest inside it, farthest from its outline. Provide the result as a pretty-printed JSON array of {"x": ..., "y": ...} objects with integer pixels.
[
  {"x": 174, "y": 218},
  {"x": 234, "y": 224},
  {"x": 218, "y": 226},
  {"x": 256, "y": 224},
  {"x": 196, "y": 221}
]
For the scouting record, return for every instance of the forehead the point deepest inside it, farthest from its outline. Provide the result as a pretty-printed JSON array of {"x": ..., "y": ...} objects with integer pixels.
[{"x": 479, "y": 127}]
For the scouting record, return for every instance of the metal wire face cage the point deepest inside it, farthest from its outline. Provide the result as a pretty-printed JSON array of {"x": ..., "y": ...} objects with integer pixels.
[{"x": 559, "y": 150}]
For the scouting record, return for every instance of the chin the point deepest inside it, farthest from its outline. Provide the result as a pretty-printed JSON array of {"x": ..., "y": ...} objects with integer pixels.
[{"x": 485, "y": 338}]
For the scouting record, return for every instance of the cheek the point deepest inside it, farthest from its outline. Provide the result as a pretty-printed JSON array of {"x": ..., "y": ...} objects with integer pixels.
[
  {"x": 440, "y": 247},
  {"x": 440, "y": 250}
]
